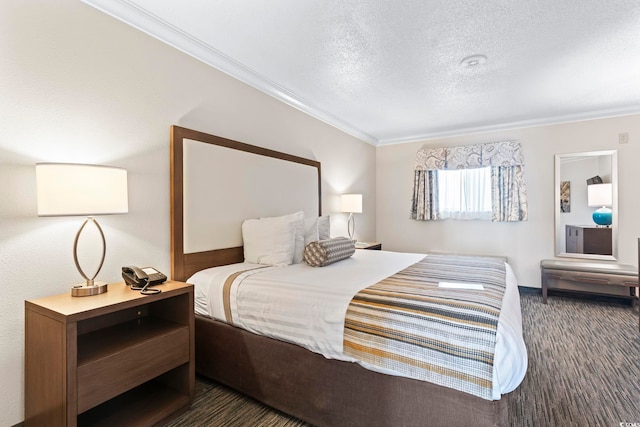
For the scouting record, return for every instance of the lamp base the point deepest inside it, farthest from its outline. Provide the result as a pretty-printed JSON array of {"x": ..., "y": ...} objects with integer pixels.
[
  {"x": 602, "y": 217},
  {"x": 86, "y": 290},
  {"x": 351, "y": 226}
]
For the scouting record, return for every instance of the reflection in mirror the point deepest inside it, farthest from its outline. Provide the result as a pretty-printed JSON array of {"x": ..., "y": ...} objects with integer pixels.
[{"x": 586, "y": 205}]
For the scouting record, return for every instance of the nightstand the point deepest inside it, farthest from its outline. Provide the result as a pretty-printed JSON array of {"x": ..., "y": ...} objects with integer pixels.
[
  {"x": 369, "y": 245},
  {"x": 108, "y": 359}
]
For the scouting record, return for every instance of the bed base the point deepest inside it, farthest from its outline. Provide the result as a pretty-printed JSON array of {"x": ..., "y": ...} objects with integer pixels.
[{"x": 327, "y": 392}]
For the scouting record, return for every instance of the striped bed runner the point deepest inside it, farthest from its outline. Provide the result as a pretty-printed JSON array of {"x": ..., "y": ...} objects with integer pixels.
[{"x": 409, "y": 325}]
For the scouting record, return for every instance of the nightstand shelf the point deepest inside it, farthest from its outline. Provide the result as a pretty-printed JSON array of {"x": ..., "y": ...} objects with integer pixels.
[
  {"x": 375, "y": 246},
  {"x": 114, "y": 358},
  {"x": 147, "y": 404}
]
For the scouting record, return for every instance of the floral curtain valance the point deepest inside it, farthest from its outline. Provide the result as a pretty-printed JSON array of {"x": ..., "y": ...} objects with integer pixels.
[{"x": 504, "y": 153}]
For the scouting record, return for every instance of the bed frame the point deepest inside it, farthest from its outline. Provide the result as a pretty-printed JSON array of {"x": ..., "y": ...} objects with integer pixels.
[{"x": 323, "y": 392}]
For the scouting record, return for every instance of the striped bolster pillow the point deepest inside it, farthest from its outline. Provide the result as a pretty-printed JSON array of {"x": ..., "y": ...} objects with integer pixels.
[{"x": 325, "y": 252}]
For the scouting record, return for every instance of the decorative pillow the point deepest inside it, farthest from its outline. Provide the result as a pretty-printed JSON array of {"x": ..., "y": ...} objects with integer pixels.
[
  {"x": 316, "y": 229},
  {"x": 325, "y": 252},
  {"x": 272, "y": 241}
]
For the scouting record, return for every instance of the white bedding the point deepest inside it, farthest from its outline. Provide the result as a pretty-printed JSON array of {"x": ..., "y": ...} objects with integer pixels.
[{"x": 309, "y": 304}]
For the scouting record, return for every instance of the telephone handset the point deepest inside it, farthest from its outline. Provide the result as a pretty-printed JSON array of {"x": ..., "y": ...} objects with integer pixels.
[{"x": 141, "y": 278}]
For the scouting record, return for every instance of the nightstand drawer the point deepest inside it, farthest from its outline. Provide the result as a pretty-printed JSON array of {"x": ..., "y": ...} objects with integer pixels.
[{"x": 131, "y": 354}]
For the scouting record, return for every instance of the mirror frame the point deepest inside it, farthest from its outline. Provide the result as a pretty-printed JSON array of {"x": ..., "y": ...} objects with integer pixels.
[{"x": 560, "y": 234}]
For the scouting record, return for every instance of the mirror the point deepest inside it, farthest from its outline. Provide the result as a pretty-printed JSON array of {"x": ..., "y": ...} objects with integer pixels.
[{"x": 579, "y": 180}]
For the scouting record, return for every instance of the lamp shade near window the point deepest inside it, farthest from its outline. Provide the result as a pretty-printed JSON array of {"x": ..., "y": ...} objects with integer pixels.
[
  {"x": 65, "y": 189},
  {"x": 351, "y": 203},
  {"x": 600, "y": 195}
]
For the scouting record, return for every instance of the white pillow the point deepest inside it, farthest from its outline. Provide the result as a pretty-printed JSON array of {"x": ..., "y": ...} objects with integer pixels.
[
  {"x": 316, "y": 229},
  {"x": 324, "y": 228},
  {"x": 298, "y": 250},
  {"x": 272, "y": 241}
]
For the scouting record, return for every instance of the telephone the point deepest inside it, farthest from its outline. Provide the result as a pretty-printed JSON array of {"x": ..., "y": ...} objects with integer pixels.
[{"x": 141, "y": 278}]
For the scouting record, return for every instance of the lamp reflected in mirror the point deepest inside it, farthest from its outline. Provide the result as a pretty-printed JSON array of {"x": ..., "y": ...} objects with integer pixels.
[{"x": 599, "y": 196}]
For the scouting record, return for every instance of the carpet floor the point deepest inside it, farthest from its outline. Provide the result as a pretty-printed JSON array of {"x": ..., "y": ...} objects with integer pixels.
[{"x": 584, "y": 370}]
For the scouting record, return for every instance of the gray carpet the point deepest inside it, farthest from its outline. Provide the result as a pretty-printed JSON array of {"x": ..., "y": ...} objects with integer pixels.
[{"x": 584, "y": 370}]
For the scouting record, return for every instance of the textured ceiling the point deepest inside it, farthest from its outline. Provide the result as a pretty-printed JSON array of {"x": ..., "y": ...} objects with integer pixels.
[{"x": 390, "y": 71}]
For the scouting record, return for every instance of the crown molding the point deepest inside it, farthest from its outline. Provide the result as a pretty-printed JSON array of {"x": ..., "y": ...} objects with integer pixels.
[
  {"x": 547, "y": 121},
  {"x": 141, "y": 19}
]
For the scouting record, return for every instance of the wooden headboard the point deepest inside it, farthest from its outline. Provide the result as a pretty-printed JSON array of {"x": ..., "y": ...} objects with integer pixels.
[{"x": 216, "y": 183}]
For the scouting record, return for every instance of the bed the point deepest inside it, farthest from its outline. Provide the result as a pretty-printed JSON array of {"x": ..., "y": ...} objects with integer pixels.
[{"x": 313, "y": 381}]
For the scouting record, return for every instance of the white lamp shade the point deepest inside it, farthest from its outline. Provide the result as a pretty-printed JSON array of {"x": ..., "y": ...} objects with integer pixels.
[
  {"x": 73, "y": 189},
  {"x": 599, "y": 195},
  {"x": 351, "y": 203}
]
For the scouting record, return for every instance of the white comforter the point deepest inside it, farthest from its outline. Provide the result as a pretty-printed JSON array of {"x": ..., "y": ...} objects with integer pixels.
[{"x": 306, "y": 306}]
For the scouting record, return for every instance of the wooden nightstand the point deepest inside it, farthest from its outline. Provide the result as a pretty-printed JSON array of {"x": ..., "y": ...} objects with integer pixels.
[
  {"x": 110, "y": 359},
  {"x": 369, "y": 245}
]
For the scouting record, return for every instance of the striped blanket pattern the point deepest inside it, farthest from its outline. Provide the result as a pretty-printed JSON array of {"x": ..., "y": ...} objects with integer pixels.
[{"x": 409, "y": 325}]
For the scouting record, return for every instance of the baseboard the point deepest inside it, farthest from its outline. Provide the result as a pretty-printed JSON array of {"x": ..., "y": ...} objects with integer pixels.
[{"x": 529, "y": 290}]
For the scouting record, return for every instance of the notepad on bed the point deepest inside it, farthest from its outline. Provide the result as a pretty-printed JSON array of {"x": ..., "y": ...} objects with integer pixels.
[{"x": 460, "y": 285}]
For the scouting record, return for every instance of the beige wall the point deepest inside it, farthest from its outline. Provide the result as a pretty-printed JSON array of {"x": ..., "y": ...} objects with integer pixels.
[
  {"x": 79, "y": 86},
  {"x": 526, "y": 243}
]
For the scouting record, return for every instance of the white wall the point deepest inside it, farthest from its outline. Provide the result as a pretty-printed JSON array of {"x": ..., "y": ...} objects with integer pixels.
[
  {"x": 525, "y": 243},
  {"x": 79, "y": 86}
]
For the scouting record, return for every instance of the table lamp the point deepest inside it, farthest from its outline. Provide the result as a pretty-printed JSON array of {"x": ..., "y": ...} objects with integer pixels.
[
  {"x": 351, "y": 203},
  {"x": 65, "y": 189},
  {"x": 600, "y": 195}
]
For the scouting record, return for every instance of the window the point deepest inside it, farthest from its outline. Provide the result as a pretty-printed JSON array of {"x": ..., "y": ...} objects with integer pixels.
[
  {"x": 465, "y": 193},
  {"x": 480, "y": 181}
]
